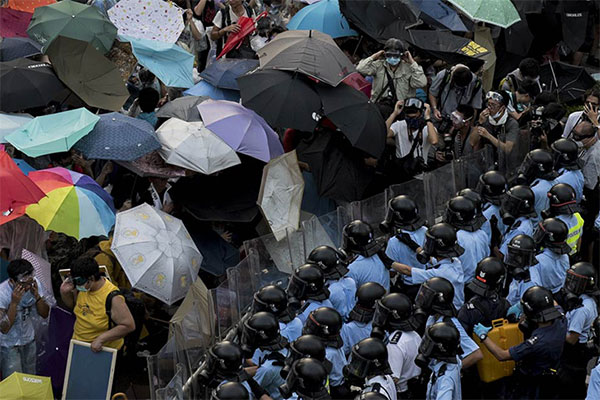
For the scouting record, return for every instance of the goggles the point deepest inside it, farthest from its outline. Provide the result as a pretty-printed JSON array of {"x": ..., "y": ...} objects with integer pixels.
[
  {"x": 494, "y": 96},
  {"x": 457, "y": 119},
  {"x": 79, "y": 280}
]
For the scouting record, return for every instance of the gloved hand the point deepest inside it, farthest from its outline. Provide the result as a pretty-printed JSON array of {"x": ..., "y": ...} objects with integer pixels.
[
  {"x": 515, "y": 310},
  {"x": 481, "y": 330},
  {"x": 405, "y": 238}
]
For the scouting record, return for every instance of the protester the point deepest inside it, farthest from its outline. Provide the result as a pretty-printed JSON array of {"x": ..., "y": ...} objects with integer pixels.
[
  {"x": 591, "y": 105},
  {"x": 529, "y": 68},
  {"x": 147, "y": 101},
  {"x": 225, "y": 24}
]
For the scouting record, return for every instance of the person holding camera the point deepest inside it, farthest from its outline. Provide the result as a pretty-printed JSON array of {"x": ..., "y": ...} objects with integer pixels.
[
  {"x": 453, "y": 87},
  {"x": 456, "y": 138}
]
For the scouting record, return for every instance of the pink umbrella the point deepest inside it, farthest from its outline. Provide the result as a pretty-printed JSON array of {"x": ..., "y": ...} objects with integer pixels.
[
  {"x": 14, "y": 23},
  {"x": 358, "y": 82}
]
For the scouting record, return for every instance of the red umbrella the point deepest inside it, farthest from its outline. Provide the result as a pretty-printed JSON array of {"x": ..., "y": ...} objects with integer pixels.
[
  {"x": 17, "y": 191},
  {"x": 358, "y": 82},
  {"x": 14, "y": 23},
  {"x": 247, "y": 25}
]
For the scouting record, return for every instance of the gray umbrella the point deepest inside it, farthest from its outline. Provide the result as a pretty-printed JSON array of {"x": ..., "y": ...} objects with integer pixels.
[
  {"x": 12, "y": 48},
  {"x": 183, "y": 108}
]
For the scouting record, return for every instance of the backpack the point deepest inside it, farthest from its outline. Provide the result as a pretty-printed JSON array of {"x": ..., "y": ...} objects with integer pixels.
[
  {"x": 138, "y": 311},
  {"x": 446, "y": 82}
]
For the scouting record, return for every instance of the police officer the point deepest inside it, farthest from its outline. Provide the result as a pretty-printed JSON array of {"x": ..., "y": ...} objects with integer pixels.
[
  {"x": 593, "y": 390},
  {"x": 439, "y": 352},
  {"x": 369, "y": 369},
  {"x": 568, "y": 166},
  {"x": 461, "y": 214},
  {"x": 440, "y": 252},
  {"x": 342, "y": 289},
  {"x": 307, "y": 380},
  {"x": 476, "y": 198},
  {"x": 517, "y": 211},
  {"x": 307, "y": 289},
  {"x": 306, "y": 346},
  {"x": 230, "y": 391},
  {"x": 273, "y": 299},
  {"x": 563, "y": 206},
  {"x": 358, "y": 325},
  {"x": 360, "y": 245},
  {"x": 537, "y": 171},
  {"x": 492, "y": 187},
  {"x": 407, "y": 230},
  {"x": 550, "y": 237},
  {"x": 394, "y": 319},
  {"x": 545, "y": 328},
  {"x": 522, "y": 267}
]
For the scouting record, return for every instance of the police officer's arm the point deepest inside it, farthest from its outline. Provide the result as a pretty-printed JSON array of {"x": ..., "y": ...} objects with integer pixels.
[
  {"x": 572, "y": 337},
  {"x": 123, "y": 320},
  {"x": 472, "y": 359},
  {"x": 498, "y": 352},
  {"x": 402, "y": 268}
]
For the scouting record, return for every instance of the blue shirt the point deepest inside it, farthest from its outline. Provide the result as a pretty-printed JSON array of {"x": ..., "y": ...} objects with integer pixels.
[
  {"x": 490, "y": 210},
  {"x": 370, "y": 269},
  {"x": 572, "y": 178},
  {"x": 446, "y": 386},
  {"x": 449, "y": 268},
  {"x": 398, "y": 251},
  {"x": 593, "y": 391},
  {"x": 553, "y": 269},
  {"x": 522, "y": 225},
  {"x": 150, "y": 117},
  {"x": 477, "y": 247},
  {"x": 517, "y": 288},
  {"x": 353, "y": 332},
  {"x": 540, "y": 188},
  {"x": 310, "y": 305},
  {"x": 580, "y": 320},
  {"x": 269, "y": 378},
  {"x": 467, "y": 344},
  {"x": 342, "y": 294},
  {"x": 292, "y": 330},
  {"x": 22, "y": 331},
  {"x": 337, "y": 358}
]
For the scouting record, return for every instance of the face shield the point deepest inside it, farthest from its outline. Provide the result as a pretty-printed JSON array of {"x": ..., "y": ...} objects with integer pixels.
[
  {"x": 577, "y": 284},
  {"x": 518, "y": 261},
  {"x": 295, "y": 355},
  {"x": 296, "y": 384},
  {"x": 359, "y": 368},
  {"x": 425, "y": 298}
]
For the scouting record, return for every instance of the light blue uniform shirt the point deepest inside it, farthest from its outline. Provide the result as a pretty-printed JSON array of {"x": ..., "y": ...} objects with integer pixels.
[
  {"x": 467, "y": 344},
  {"x": 450, "y": 269},
  {"x": 370, "y": 269},
  {"x": 553, "y": 269},
  {"x": 572, "y": 178},
  {"x": 477, "y": 247},
  {"x": 312, "y": 305},
  {"x": 269, "y": 378},
  {"x": 447, "y": 386},
  {"x": 398, "y": 251},
  {"x": 593, "y": 391},
  {"x": 353, "y": 332},
  {"x": 523, "y": 226},
  {"x": 342, "y": 294},
  {"x": 517, "y": 288},
  {"x": 337, "y": 358},
  {"x": 580, "y": 320},
  {"x": 292, "y": 330},
  {"x": 489, "y": 210},
  {"x": 540, "y": 188}
]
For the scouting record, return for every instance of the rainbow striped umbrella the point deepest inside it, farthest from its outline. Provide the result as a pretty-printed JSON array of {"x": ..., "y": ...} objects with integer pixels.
[{"x": 74, "y": 204}]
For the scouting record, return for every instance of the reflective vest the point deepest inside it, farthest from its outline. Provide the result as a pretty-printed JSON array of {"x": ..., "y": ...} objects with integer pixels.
[{"x": 575, "y": 234}]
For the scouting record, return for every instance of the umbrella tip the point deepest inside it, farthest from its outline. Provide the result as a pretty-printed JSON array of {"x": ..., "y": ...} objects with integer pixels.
[{"x": 310, "y": 33}]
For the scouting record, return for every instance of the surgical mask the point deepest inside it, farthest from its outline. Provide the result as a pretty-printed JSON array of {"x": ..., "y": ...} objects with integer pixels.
[
  {"x": 81, "y": 288},
  {"x": 393, "y": 60}
]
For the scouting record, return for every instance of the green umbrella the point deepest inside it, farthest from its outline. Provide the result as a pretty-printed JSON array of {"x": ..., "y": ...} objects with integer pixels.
[
  {"x": 74, "y": 20},
  {"x": 88, "y": 73},
  {"x": 496, "y": 12}
]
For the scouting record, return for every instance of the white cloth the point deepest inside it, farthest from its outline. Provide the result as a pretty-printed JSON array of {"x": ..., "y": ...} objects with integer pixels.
[
  {"x": 403, "y": 144},
  {"x": 574, "y": 119},
  {"x": 156, "y": 203},
  {"x": 383, "y": 384},
  {"x": 401, "y": 356}
]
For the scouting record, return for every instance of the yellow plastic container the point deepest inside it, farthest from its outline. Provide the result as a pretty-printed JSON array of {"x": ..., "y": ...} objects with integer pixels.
[{"x": 504, "y": 335}]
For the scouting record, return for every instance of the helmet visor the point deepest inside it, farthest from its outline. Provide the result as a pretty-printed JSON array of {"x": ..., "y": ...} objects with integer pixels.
[
  {"x": 519, "y": 258},
  {"x": 575, "y": 283},
  {"x": 425, "y": 297}
]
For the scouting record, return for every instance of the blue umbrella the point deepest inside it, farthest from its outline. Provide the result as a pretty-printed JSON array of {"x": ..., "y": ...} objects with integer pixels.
[
  {"x": 440, "y": 14},
  {"x": 118, "y": 137},
  {"x": 11, "y": 122},
  {"x": 224, "y": 72},
  {"x": 12, "y": 48},
  {"x": 324, "y": 16},
  {"x": 204, "y": 88},
  {"x": 23, "y": 166}
]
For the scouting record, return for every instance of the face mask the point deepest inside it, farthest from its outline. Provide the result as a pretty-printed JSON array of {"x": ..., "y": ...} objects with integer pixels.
[
  {"x": 413, "y": 123},
  {"x": 393, "y": 60},
  {"x": 81, "y": 288},
  {"x": 497, "y": 115}
]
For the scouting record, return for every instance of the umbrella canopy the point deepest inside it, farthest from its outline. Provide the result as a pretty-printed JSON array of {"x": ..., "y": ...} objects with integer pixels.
[
  {"x": 501, "y": 13},
  {"x": 284, "y": 99},
  {"x": 435, "y": 12},
  {"x": 156, "y": 252},
  {"x": 17, "y": 189},
  {"x": 223, "y": 73},
  {"x": 26, "y": 84},
  {"x": 12, "y": 48},
  {"x": 241, "y": 128},
  {"x": 23, "y": 166},
  {"x": 281, "y": 193},
  {"x": 247, "y": 26},
  {"x": 28, "y": 5},
  {"x": 169, "y": 62},
  {"x": 358, "y": 82},
  {"x": 74, "y": 20},
  {"x": 568, "y": 81},
  {"x": 88, "y": 73},
  {"x": 74, "y": 204},
  {"x": 53, "y": 133},
  {"x": 11, "y": 122},
  {"x": 152, "y": 165},
  {"x": 190, "y": 145},
  {"x": 574, "y": 21},
  {"x": 118, "y": 137},
  {"x": 183, "y": 108},
  {"x": 518, "y": 37},
  {"x": 310, "y": 52},
  {"x": 205, "y": 89},
  {"x": 14, "y": 23},
  {"x": 324, "y": 16},
  {"x": 152, "y": 19},
  {"x": 19, "y": 386}
]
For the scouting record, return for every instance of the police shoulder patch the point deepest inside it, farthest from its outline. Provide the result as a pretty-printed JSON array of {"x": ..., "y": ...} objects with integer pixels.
[
  {"x": 396, "y": 337},
  {"x": 532, "y": 340}
]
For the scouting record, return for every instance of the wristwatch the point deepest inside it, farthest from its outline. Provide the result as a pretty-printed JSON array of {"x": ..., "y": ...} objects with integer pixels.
[
  {"x": 483, "y": 336},
  {"x": 427, "y": 119}
]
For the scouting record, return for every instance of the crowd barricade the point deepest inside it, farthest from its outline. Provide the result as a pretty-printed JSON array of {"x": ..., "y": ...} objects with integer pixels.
[
  {"x": 371, "y": 210},
  {"x": 165, "y": 369},
  {"x": 325, "y": 229},
  {"x": 508, "y": 163},
  {"x": 413, "y": 188},
  {"x": 174, "y": 389}
]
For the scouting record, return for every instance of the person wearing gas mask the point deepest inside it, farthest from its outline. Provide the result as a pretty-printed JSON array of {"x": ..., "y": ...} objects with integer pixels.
[
  {"x": 578, "y": 297},
  {"x": 537, "y": 171},
  {"x": 439, "y": 353},
  {"x": 407, "y": 230},
  {"x": 369, "y": 369},
  {"x": 550, "y": 237},
  {"x": 326, "y": 323},
  {"x": 273, "y": 299},
  {"x": 342, "y": 289},
  {"x": 476, "y": 198},
  {"x": 230, "y": 391},
  {"x": 517, "y": 211},
  {"x": 567, "y": 165},
  {"x": 358, "y": 323},
  {"x": 538, "y": 357},
  {"x": 307, "y": 290},
  {"x": 457, "y": 140},
  {"x": 394, "y": 320},
  {"x": 440, "y": 253},
  {"x": 307, "y": 380},
  {"x": 365, "y": 252},
  {"x": 461, "y": 214},
  {"x": 522, "y": 268},
  {"x": 492, "y": 187},
  {"x": 310, "y": 346},
  {"x": 563, "y": 206}
]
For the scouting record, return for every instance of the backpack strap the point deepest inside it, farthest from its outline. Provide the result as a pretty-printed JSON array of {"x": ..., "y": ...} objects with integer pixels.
[
  {"x": 225, "y": 21},
  {"x": 108, "y": 306},
  {"x": 476, "y": 88}
]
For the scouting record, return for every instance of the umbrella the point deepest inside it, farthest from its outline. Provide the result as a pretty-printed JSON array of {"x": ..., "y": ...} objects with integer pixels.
[
  {"x": 436, "y": 13},
  {"x": 205, "y": 89},
  {"x": 53, "y": 133},
  {"x": 241, "y": 128},
  {"x": 152, "y": 19},
  {"x": 12, "y": 122},
  {"x": 499, "y": 12},
  {"x": 27, "y": 84},
  {"x": 235, "y": 39},
  {"x": 358, "y": 82},
  {"x": 381, "y": 19},
  {"x": 14, "y": 23},
  {"x": 156, "y": 252},
  {"x": 357, "y": 118},
  {"x": 74, "y": 204},
  {"x": 281, "y": 193},
  {"x": 169, "y": 62},
  {"x": 24, "y": 166},
  {"x": 568, "y": 81},
  {"x": 73, "y": 20},
  {"x": 19, "y": 386},
  {"x": 574, "y": 21},
  {"x": 88, "y": 73},
  {"x": 28, "y": 5},
  {"x": 518, "y": 37},
  {"x": 17, "y": 189},
  {"x": 153, "y": 165},
  {"x": 190, "y": 145},
  {"x": 16, "y": 47},
  {"x": 310, "y": 52},
  {"x": 282, "y": 98},
  {"x": 223, "y": 73},
  {"x": 324, "y": 16},
  {"x": 118, "y": 137},
  {"x": 183, "y": 108}
]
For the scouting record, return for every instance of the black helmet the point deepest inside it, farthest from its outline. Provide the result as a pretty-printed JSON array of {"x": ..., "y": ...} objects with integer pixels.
[
  {"x": 461, "y": 213},
  {"x": 562, "y": 201},
  {"x": 308, "y": 379},
  {"x": 538, "y": 163},
  {"x": 306, "y": 346},
  {"x": 441, "y": 342},
  {"x": 473, "y": 196},
  {"x": 492, "y": 186},
  {"x": 518, "y": 202},
  {"x": 393, "y": 312},
  {"x": 330, "y": 261},
  {"x": 307, "y": 282},
  {"x": 436, "y": 295},
  {"x": 394, "y": 46},
  {"x": 552, "y": 233},
  {"x": 224, "y": 361},
  {"x": 230, "y": 391},
  {"x": 273, "y": 299},
  {"x": 366, "y": 296},
  {"x": 521, "y": 255},
  {"x": 358, "y": 238},
  {"x": 325, "y": 323},
  {"x": 402, "y": 213},
  {"x": 538, "y": 304},
  {"x": 440, "y": 242},
  {"x": 369, "y": 357},
  {"x": 581, "y": 278},
  {"x": 489, "y": 276},
  {"x": 261, "y": 331},
  {"x": 566, "y": 154}
]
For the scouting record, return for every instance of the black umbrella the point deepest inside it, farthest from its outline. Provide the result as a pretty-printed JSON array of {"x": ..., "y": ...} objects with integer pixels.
[
  {"x": 568, "y": 81},
  {"x": 529, "y": 6},
  {"x": 574, "y": 18},
  {"x": 283, "y": 99},
  {"x": 12, "y": 48},
  {"x": 518, "y": 38}
]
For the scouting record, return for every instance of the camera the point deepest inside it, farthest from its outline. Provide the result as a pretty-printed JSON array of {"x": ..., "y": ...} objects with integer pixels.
[
  {"x": 448, "y": 144},
  {"x": 445, "y": 124},
  {"x": 538, "y": 125}
]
